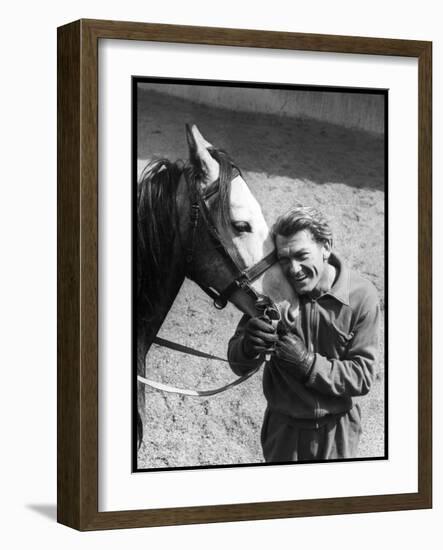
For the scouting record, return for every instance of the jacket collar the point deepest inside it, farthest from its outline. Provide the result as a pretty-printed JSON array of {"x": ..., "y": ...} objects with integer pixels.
[{"x": 340, "y": 287}]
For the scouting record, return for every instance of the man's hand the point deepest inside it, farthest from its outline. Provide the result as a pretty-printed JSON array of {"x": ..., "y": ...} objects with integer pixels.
[
  {"x": 292, "y": 353},
  {"x": 260, "y": 337}
]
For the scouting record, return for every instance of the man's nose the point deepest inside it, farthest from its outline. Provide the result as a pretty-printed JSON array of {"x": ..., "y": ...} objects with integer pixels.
[{"x": 295, "y": 267}]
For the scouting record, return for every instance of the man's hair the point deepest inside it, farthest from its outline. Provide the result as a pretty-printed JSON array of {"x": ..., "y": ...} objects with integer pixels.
[{"x": 300, "y": 218}]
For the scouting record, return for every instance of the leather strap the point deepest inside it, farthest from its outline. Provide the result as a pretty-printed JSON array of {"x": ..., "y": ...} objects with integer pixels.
[
  {"x": 185, "y": 349},
  {"x": 183, "y": 391},
  {"x": 263, "y": 265},
  {"x": 194, "y": 393},
  {"x": 248, "y": 276}
]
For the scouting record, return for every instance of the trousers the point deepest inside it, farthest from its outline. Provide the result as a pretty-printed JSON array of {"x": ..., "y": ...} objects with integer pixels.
[{"x": 285, "y": 439}]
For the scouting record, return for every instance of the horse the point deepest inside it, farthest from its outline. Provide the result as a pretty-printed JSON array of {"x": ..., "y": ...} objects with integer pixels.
[{"x": 199, "y": 219}]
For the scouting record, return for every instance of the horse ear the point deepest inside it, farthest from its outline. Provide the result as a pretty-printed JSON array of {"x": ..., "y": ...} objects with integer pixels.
[{"x": 199, "y": 155}]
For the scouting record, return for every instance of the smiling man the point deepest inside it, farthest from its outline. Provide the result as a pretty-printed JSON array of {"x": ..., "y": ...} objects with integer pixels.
[{"x": 322, "y": 359}]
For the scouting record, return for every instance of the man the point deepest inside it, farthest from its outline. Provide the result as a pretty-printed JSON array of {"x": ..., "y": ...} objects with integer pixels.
[{"x": 320, "y": 360}]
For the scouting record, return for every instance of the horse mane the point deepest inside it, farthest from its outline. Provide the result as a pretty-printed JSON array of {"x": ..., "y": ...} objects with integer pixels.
[
  {"x": 156, "y": 216},
  {"x": 157, "y": 219}
]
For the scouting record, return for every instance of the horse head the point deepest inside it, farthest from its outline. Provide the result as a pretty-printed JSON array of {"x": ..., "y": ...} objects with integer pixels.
[{"x": 231, "y": 237}]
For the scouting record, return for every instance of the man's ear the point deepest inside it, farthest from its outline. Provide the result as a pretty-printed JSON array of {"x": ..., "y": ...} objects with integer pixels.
[{"x": 327, "y": 249}]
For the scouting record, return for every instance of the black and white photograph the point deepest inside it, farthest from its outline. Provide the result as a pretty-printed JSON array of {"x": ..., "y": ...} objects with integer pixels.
[{"x": 259, "y": 274}]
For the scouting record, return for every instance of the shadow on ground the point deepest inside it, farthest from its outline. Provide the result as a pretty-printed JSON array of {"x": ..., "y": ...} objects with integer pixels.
[
  {"x": 295, "y": 148},
  {"x": 49, "y": 511}
]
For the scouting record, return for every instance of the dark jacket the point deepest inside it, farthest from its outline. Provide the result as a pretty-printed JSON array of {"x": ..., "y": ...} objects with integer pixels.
[{"x": 341, "y": 327}]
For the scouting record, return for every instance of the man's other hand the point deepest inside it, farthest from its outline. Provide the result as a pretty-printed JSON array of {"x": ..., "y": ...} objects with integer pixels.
[{"x": 291, "y": 352}]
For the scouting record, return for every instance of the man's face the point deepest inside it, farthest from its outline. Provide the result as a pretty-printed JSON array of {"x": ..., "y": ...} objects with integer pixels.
[{"x": 302, "y": 260}]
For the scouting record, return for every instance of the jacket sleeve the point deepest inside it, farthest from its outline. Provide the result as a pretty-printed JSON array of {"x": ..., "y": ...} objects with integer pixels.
[
  {"x": 239, "y": 363},
  {"x": 353, "y": 374}
]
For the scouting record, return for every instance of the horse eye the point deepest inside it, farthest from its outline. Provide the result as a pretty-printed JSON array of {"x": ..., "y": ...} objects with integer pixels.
[{"x": 242, "y": 227}]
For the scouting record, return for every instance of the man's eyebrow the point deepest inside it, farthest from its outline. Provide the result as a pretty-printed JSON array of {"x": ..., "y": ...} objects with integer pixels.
[{"x": 298, "y": 253}]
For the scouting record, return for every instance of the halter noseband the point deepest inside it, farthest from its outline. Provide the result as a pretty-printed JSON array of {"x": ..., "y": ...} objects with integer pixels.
[{"x": 244, "y": 277}]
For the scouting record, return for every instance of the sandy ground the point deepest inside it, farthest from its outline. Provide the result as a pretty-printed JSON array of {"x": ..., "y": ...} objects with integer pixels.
[{"x": 285, "y": 162}]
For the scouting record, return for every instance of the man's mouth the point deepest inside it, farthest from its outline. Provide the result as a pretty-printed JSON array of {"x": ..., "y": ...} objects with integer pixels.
[{"x": 299, "y": 278}]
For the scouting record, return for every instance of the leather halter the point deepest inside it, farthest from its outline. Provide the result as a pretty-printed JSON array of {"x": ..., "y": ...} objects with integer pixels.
[{"x": 243, "y": 276}]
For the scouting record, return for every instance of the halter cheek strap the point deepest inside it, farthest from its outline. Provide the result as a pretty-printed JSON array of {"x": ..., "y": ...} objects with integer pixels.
[{"x": 248, "y": 276}]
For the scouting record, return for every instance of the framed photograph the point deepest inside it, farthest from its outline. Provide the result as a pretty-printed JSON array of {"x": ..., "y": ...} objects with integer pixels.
[{"x": 244, "y": 275}]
